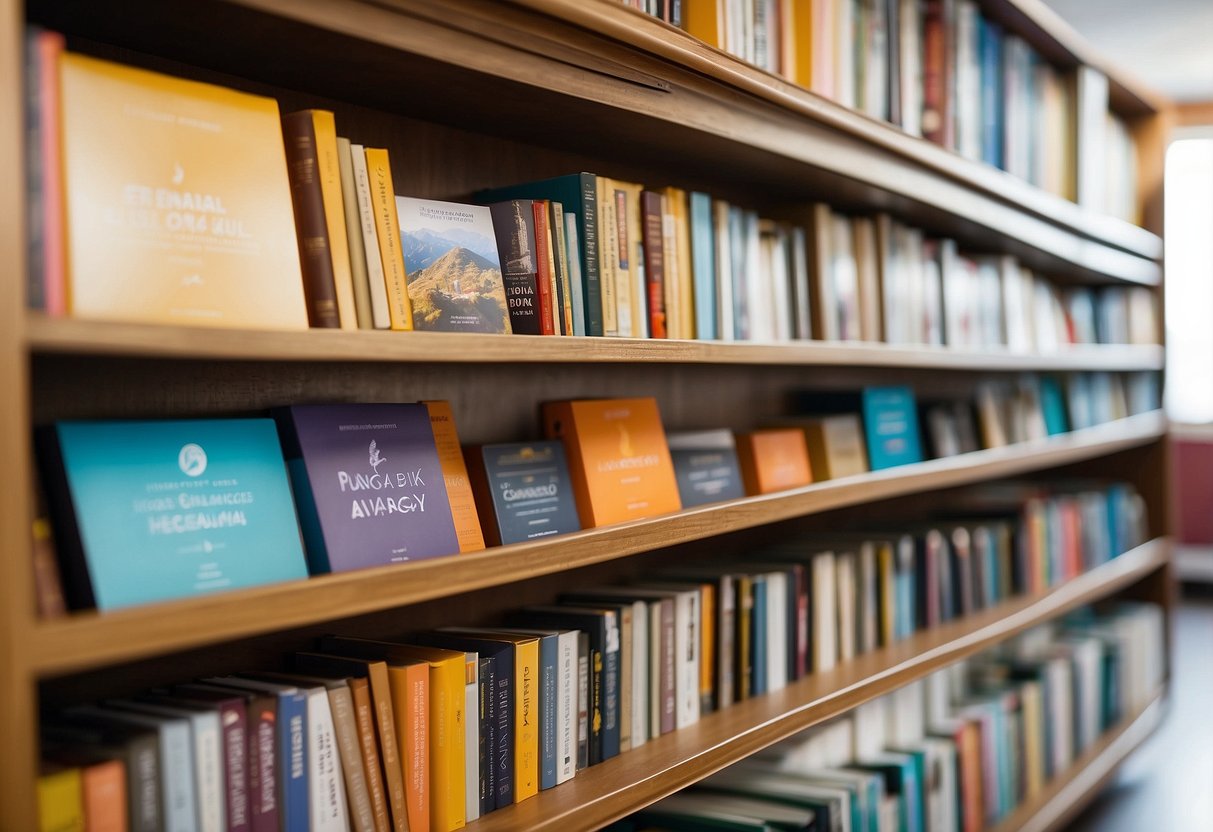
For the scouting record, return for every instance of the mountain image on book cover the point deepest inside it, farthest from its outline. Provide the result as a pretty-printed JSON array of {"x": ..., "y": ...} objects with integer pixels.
[{"x": 454, "y": 273}]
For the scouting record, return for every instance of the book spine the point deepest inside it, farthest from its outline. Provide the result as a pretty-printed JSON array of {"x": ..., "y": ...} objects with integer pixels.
[
  {"x": 319, "y": 286},
  {"x": 487, "y": 704},
  {"x": 526, "y": 720},
  {"x": 561, "y": 259},
  {"x": 745, "y": 622},
  {"x": 364, "y": 721},
  {"x": 639, "y": 711},
  {"x": 542, "y": 267},
  {"x": 707, "y": 646},
  {"x": 350, "y": 753},
  {"x": 447, "y": 738},
  {"x": 654, "y": 261},
  {"x": 726, "y": 643},
  {"x": 412, "y": 710},
  {"x": 758, "y": 639},
  {"x": 471, "y": 731},
  {"x": 626, "y": 650},
  {"x": 607, "y": 254},
  {"x": 329, "y": 172},
  {"x": 503, "y": 755},
  {"x": 389, "y": 749},
  {"x": 380, "y": 317},
  {"x": 53, "y": 226},
  {"x": 549, "y": 658},
  {"x": 328, "y": 802},
  {"x": 590, "y": 257},
  {"x": 387, "y": 229},
  {"x": 566, "y": 713},
  {"x": 263, "y": 763},
  {"x": 668, "y": 675},
  {"x": 292, "y": 759},
  {"x": 353, "y": 231},
  {"x": 553, "y": 271},
  {"x": 455, "y": 475},
  {"x": 936, "y": 106},
  {"x": 576, "y": 273},
  {"x": 102, "y": 787},
  {"x": 584, "y": 657},
  {"x": 609, "y": 696}
]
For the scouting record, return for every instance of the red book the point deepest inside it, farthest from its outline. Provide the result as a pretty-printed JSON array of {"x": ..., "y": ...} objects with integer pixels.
[
  {"x": 543, "y": 267},
  {"x": 652, "y": 219},
  {"x": 1071, "y": 538},
  {"x": 936, "y": 71},
  {"x": 49, "y": 47}
]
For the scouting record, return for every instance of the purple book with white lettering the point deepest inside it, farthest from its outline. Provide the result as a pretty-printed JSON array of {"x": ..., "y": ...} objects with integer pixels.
[{"x": 368, "y": 484}]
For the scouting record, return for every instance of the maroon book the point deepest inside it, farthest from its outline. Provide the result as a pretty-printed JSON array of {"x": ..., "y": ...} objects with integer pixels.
[{"x": 315, "y": 259}]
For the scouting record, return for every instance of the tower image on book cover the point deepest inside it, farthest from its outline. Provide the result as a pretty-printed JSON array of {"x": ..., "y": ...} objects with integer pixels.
[
  {"x": 454, "y": 271},
  {"x": 368, "y": 483}
]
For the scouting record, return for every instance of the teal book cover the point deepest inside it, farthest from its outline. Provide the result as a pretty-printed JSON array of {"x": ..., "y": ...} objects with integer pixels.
[
  {"x": 890, "y": 419},
  {"x": 151, "y": 511},
  {"x": 1053, "y": 404},
  {"x": 703, "y": 260}
]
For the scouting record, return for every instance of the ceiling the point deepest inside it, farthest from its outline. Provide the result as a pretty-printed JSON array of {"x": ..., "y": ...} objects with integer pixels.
[{"x": 1167, "y": 44}]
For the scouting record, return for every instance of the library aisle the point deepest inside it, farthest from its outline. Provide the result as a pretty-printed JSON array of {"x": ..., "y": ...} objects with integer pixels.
[{"x": 1168, "y": 783}]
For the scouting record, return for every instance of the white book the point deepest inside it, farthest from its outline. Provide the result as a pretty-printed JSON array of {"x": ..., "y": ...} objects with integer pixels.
[
  {"x": 803, "y": 314},
  {"x": 777, "y": 630},
  {"x": 566, "y": 706},
  {"x": 576, "y": 289},
  {"x": 380, "y": 316},
  {"x": 686, "y": 652},
  {"x": 471, "y": 730},
  {"x": 825, "y": 616},
  {"x": 910, "y": 75},
  {"x": 640, "y": 673},
  {"x": 1059, "y": 709},
  {"x": 844, "y": 577},
  {"x": 178, "y": 796},
  {"x": 207, "y": 747}
]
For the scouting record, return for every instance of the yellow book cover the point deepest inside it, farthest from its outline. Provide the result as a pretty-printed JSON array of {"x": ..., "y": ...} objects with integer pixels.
[
  {"x": 685, "y": 310},
  {"x": 888, "y": 593},
  {"x": 455, "y": 474},
  {"x": 836, "y": 446},
  {"x": 178, "y": 206},
  {"x": 798, "y": 31},
  {"x": 607, "y": 255},
  {"x": 619, "y": 461},
  {"x": 1033, "y": 739},
  {"x": 387, "y": 228},
  {"x": 329, "y": 167},
  {"x": 60, "y": 805},
  {"x": 705, "y": 19},
  {"x": 745, "y": 612}
]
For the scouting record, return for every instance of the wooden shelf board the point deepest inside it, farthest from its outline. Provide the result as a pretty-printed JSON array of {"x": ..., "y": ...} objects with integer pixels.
[
  {"x": 645, "y": 32},
  {"x": 1064, "y": 796},
  {"x": 611, "y": 790},
  {"x": 84, "y": 337},
  {"x": 86, "y": 640}
]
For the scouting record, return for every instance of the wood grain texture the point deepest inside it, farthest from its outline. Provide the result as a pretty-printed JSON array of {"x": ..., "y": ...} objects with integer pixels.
[
  {"x": 611, "y": 790},
  {"x": 87, "y": 640},
  {"x": 83, "y": 337},
  {"x": 1065, "y": 796}
]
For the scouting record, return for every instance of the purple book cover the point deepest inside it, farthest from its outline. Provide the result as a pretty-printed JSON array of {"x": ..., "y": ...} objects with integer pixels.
[{"x": 368, "y": 484}]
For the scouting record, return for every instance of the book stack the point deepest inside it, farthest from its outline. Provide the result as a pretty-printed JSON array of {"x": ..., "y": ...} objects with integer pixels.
[{"x": 956, "y": 751}]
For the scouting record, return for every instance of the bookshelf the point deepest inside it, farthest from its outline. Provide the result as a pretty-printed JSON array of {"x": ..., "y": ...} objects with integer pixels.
[{"x": 473, "y": 93}]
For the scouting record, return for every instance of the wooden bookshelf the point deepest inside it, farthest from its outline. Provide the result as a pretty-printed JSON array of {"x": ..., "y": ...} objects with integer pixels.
[
  {"x": 81, "y": 337},
  {"x": 1065, "y": 796},
  {"x": 86, "y": 640},
  {"x": 475, "y": 93},
  {"x": 604, "y": 793}
]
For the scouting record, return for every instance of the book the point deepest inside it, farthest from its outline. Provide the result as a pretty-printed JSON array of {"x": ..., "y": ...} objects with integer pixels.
[
  {"x": 46, "y": 280},
  {"x": 523, "y": 490},
  {"x": 558, "y": 699},
  {"x": 705, "y": 466},
  {"x": 560, "y": 260},
  {"x": 369, "y": 484},
  {"x": 578, "y": 194},
  {"x": 703, "y": 265},
  {"x": 618, "y": 459},
  {"x": 653, "y": 242},
  {"x": 514, "y": 226},
  {"x": 60, "y": 799},
  {"x": 376, "y": 285},
  {"x": 455, "y": 477},
  {"x": 353, "y": 229},
  {"x": 773, "y": 460},
  {"x": 327, "y": 171},
  {"x": 149, "y": 511},
  {"x": 836, "y": 446},
  {"x": 136, "y": 747},
  {"x": 452, "y": 267},
  {"x": 545, "y": 277},
  {"x": 387, "y": 230},
  {"x": 311, "y": 228},
  {"x": 177, "y": 202}
]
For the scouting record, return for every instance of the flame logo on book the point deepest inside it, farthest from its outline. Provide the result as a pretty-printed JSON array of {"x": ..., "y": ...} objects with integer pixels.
[
  {"x": 192, "y": 460},
  {"x": 625, "y": 441},
  {"x": 178, "y": 173},
  {"x": 375, "y": 459}
]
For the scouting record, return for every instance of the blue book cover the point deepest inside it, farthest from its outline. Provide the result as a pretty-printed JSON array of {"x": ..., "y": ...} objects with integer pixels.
[
  {"x": 990, "y": 62},
  {"x": 150, "y": 511},
  {"x": 758, "y": 638},
  {"x": 529, "y": 489},
  {"x": 1052, "y": 403},
  {"x": 705, "y": 466},
  {"x": 890, "y": 420},
  {"x": 703, "y": 259},
  {"x": 368, "y": 484},
  {"x": 549, "y": 650}
]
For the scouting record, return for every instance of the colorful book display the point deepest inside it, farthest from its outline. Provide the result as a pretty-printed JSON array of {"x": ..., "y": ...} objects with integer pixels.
[
  {"x": 369, "y": 484},
  {"x": 149, "y": 511}
]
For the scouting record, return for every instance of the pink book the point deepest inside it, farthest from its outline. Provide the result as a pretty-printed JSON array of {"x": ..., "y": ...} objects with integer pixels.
[{"x": 49, "y": 49}]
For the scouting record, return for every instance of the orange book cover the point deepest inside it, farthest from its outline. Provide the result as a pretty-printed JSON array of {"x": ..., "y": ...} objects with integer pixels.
[
  {"x": 410, "y": 683},
  {"x": 773, "y": 460},
  {"x": 177, "y": 203},
  {"x": 455, "y": 473},
  {"x": 618, "y": 458}
]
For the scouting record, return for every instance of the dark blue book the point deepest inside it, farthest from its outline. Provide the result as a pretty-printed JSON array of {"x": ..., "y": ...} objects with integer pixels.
[
  {"x": 758, "y": 638},
  {"x": 523, "y": 491},
  {"x": 496, "y": 723},
  {"x": 705, "y": 466},
  {"x": 578, "y": 194},
  {"x": 602, "y": 630},
  {"x": 989, "y": 51},
  {"x": 549, "y": 658}
]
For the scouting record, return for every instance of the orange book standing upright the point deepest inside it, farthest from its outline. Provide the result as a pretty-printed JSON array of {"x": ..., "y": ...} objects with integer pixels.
[
  {"x": 177, "y": 203},
  {"x": 455, "y": 473},
  {"x": 773, "y": 460},
  {"x": 618, "y": 458}
]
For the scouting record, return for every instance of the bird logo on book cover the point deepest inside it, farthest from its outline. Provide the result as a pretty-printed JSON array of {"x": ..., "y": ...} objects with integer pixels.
[{"x": 375, "y": 459}]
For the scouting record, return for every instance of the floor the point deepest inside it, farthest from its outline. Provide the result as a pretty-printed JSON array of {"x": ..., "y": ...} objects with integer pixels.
[{"x": 1167, "y": 784}]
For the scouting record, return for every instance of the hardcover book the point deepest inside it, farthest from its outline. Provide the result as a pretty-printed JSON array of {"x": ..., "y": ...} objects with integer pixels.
[
  {"x": 706, "y": 467},
  {"x": 524, "y": 491},
  {"x": 618, "y": 458},
  {"x": 178, "y": 207},
  {"x": 514, "y": 225},
  {"x": 149, "y": 511},
  {"x": 369, "y": 484},
  {"x": 890, "y": 420},
  {"x": 454, "y": 272},
  {"x": 773, "y": 460}
]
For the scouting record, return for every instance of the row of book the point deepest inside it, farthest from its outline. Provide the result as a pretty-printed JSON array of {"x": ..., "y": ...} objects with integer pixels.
[
  {"x": 942, "y": 70},
  {"x": 147, "y": 511},
  {"x": 955, "y": 752},
  {"x": 438, "y": 728},
  {"x": 314, "y": 234}
]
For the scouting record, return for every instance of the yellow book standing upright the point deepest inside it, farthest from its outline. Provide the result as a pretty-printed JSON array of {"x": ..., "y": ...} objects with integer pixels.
[
  {"x": 387, "y": 226},
  {"x": 178, "y": 206}
]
